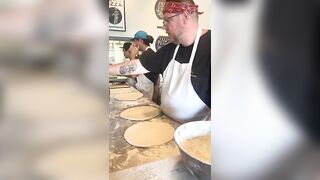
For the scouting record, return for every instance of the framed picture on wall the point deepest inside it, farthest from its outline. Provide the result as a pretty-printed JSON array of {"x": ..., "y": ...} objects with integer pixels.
[
  {"x": 117, "y": 18},
  {"x": 158, "y": 8},
  {"x": 161, "y": 41}
]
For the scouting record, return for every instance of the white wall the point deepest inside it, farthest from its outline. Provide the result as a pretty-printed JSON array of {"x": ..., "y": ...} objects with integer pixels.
[{"x": 140, "y": 15}]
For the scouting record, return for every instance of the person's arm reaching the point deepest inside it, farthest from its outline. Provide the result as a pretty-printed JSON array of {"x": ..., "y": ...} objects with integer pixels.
[{"x": 127, "y": 68}]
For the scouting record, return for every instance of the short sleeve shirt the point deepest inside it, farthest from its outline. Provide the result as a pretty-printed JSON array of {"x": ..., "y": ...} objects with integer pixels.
[
  {"x": 201, "y": 67},
  {"x": 151, "y": 75}
]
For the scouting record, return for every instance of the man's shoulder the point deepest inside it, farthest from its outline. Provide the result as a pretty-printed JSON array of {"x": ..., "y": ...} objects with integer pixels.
[
  {"x": 166, "y": 48},
  {"x": 205, "y": 39},
  {"x": 208, "y": 31},
  {"x": 207, "y": 34},
  {"x": 149, "y": 51}
]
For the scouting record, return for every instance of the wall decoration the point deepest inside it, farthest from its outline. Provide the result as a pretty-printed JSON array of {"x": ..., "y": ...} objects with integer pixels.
[
  {"x": 158, "y": 8},
  {"x": 117, "y": 18},
  {"x": 161, "y": 41}
]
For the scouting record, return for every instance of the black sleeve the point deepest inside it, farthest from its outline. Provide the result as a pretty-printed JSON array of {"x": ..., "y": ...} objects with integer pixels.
[
  {"x": 157, "y": 62},
  {"x": 152, "y": 77}
]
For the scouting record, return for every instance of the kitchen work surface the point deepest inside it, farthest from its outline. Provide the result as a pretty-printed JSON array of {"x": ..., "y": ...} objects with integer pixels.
[
  {"x": 122, "y": 155},
  {"x": 171, "y": 168}
]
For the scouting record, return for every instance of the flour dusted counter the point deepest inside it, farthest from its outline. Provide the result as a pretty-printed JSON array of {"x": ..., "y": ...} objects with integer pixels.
[
  {"x": 122, "y": 155},
  {"x": 127, "y": 159}
]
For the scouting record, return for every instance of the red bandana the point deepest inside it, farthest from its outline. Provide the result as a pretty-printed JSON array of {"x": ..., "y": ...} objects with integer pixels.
[{"x": 174, "y": 7}]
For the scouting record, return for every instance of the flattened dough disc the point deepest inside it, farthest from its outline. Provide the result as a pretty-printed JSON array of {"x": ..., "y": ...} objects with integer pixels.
[
  {"x": 121, "y": 90},
  {"x": 140, "y": 113},
  {"x": 148, "y": 134},
  {"x": 129, "y": 96}
]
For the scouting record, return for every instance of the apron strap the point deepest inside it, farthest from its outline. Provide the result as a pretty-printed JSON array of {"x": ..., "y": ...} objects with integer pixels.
[
  {"x": 194, "y": 49},
  {"x": 195, "y": 46}
]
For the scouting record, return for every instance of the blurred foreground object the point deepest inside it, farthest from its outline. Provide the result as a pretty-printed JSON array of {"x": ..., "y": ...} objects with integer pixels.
[
  {"x": 53, "y": 79},
  {"x": 289, "y": 52},
  {"x": 264, "y": 88}
]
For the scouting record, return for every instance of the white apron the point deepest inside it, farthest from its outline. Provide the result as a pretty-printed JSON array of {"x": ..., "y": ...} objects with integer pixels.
[
  {"x": 145, "y": 86},
  {"x": 178, "y": 97}
]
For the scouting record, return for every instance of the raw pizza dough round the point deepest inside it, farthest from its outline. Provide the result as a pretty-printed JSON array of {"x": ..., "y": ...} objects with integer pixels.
[
  {"x": 129, "y": 96},
  {"x": 148, "y": 134},
  {"x": 140, "y": 113},
  {"x": 121, "y": 90}
]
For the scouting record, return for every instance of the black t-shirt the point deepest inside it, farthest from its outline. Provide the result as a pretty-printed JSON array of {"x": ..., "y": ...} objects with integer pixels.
[
  {"x": 151, "y": 75},
  {"x": 201, "y": 66}
]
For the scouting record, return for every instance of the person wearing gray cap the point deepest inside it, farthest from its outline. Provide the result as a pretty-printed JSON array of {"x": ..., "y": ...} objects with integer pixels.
[
  {"x": 131, "y": 79},
  {"x": 125, "y": 48},
  {"x": 128, "y": 51}
]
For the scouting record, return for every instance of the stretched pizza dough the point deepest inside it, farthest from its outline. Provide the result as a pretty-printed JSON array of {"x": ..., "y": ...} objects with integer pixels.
[
  {"x": 140, "y": 113},
  {"x": 129, "y": 96},
  {"x": 121, "y": 90},
  {"x": 148, "y": 134}
]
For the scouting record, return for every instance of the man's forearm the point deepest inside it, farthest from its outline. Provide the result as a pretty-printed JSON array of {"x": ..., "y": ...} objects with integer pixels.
[
  {"x": 127, "y": 68},
  {"x": 114, "y": 69},
  {"x": 122, "y": 68}
]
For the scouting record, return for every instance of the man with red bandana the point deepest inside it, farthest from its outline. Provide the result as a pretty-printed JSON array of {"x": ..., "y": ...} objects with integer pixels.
[{"x": 184, "y": 63}]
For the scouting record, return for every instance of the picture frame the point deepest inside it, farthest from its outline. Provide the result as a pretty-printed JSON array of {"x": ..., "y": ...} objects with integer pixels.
[
  {"x": 158, "y": 8},
  {"x": 161, "y": 41},
  {"x": 117, "y": 18}
]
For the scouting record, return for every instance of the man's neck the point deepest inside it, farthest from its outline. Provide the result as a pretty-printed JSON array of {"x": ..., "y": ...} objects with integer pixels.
[
  {"x": 189, "y": 36},
  {"x": 144, "y": 48}
]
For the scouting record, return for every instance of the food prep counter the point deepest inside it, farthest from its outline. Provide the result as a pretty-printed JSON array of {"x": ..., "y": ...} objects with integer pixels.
[
  {"x": 126, "y": 160},
  {"x": 170, "y": 168}
]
